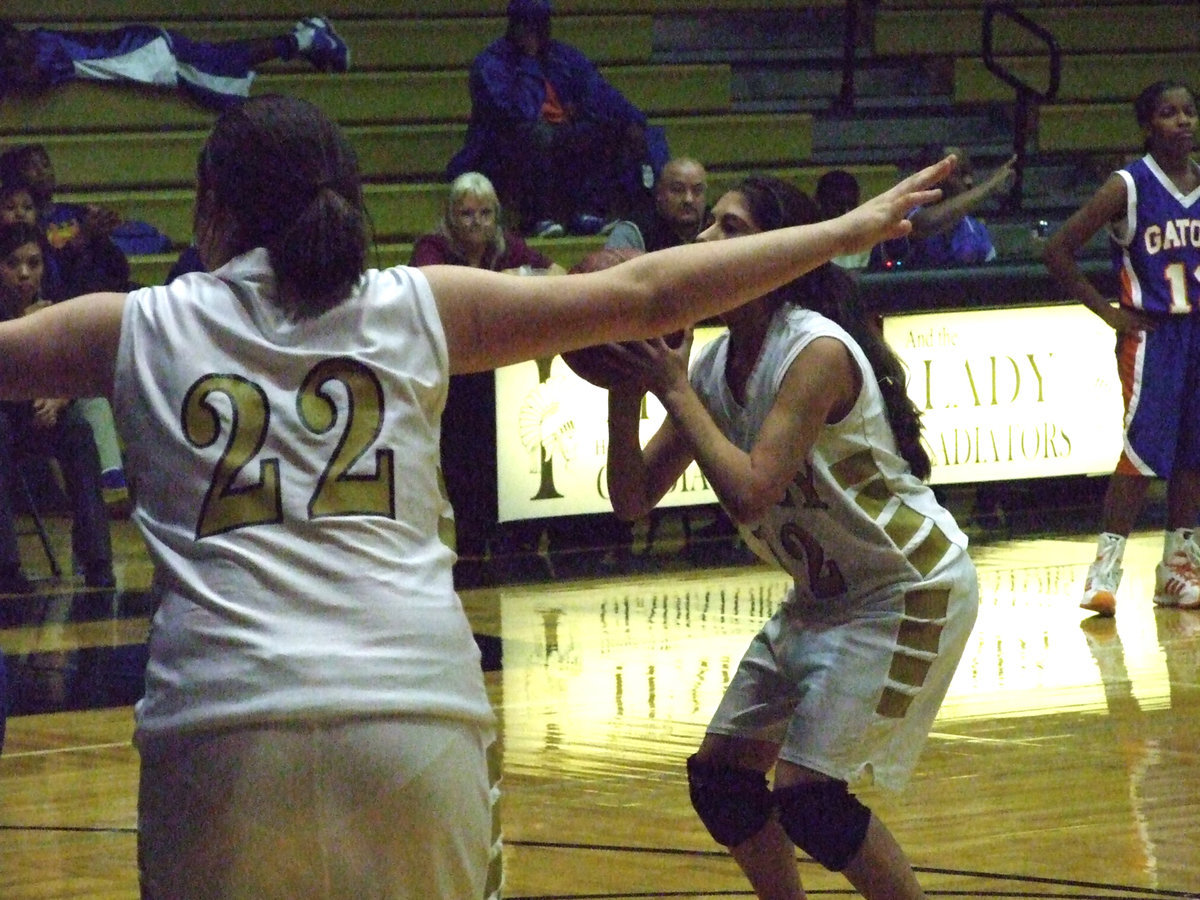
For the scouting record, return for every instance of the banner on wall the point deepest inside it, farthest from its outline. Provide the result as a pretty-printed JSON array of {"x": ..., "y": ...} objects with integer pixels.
[
  {"x": 1018, "y": 392},
  {"x": 1024, "y": 392},
  {"x": 552, "y": 442}
]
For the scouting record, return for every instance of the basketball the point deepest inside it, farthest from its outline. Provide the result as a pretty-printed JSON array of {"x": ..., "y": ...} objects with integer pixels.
[
  {"x": 605, "y": 258},
  {"x": 598, "y": 364}
]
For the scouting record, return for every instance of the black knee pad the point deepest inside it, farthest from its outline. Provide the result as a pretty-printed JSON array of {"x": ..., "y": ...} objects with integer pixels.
[
  {"x": 734, "y": 804},
  {"x": 824, "y": 820}
]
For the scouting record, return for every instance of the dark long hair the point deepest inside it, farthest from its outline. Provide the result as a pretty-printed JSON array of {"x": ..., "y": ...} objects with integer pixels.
[
  {"x": 830, "y": 291},
  {"x": 288, "y": 179}
]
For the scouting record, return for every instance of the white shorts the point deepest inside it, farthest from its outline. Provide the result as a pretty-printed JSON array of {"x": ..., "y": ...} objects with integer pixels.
[
  {"x": 853, "y": 693},
  {"x": 397, "y": 808}
]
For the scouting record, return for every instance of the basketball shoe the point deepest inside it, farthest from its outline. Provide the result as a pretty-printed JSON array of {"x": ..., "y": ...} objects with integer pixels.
[
  {"x": 1177, "y": 578},
  {"x": 321, "y": 45},
  {"x": 1103, "y": 576}
]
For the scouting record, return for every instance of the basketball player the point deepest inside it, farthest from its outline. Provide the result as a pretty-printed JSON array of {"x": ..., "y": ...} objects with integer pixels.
[
  {"x": 315, "y": 721},
  {"x": 799, "y": 418},
  {"x": 1152, "y": 210}
]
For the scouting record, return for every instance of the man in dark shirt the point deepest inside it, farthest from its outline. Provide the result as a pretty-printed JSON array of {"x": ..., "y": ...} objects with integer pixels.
[{"x": 679, "y": 212}]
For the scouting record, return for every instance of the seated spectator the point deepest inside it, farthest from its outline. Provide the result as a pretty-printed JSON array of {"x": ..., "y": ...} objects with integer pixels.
[
  {"x": 48, "y": 426},
  {"x": 213, "y": 74},
  {"x": 17, "y": 205},
  {"x": 944, "y": 233},
  {"x": 677, "y": 215},
  {"x": 560, "y": 143},
  {"x": 470, "y": 233},
  {"x": 84, "y": 257},
  {"x": 837, "y": 193}
]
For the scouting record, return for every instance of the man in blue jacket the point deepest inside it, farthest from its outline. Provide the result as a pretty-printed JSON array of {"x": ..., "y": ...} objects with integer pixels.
[{"x": 560, "y": 143}]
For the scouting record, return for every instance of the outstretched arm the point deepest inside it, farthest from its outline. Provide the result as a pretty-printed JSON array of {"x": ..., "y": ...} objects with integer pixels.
[
  {"x": 68, "y": 349},
  {"x": 493, "y": 320},
  {"x": 939, "y": 217}
]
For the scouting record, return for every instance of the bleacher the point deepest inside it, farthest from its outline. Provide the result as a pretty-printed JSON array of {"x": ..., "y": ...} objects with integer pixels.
[{"x": 405, "y": 103}]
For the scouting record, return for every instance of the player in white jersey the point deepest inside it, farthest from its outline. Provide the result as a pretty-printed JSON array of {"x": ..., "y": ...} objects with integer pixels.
[
  {"x": 1152, "y": 210},
  {"x": 315, "y": 721},
  {"x": 813, "y": 447}
]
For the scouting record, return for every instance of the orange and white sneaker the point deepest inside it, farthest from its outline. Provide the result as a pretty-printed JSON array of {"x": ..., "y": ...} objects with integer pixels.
[
  {"x": 1103, "y": 576},
  {"x": 1177, "y": 578}
]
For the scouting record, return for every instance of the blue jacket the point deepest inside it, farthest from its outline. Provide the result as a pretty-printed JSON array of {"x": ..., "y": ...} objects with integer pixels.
[
  {"x": 215, "y": 74},
  {"x": 509, "y": 88}
]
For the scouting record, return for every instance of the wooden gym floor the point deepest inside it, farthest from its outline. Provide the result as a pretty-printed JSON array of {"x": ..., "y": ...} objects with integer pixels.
[{"x": 1065, "y": 762}]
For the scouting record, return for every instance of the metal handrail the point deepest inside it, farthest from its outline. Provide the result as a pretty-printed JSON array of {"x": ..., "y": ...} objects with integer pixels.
[
  {"x": 845, "y": 102},
  {"x": 1027, "y": 94}
]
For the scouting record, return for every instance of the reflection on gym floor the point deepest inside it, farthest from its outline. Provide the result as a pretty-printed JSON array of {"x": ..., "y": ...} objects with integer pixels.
[{"x": 1065, "y": 762}]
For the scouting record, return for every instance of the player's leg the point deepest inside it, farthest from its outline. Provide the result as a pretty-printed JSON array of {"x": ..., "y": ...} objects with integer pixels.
[
  {"x": 728, "y": 786},
  {"x": 881, "y": 869},
  {"x": 1147, "y": 451},
  {"x": 1122, "y": 503},
  {"x": 1177, "y": 577},
  {"x": 832, "y": 826}
]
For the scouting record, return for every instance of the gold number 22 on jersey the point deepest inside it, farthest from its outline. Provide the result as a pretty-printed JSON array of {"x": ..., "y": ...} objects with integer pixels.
[{"x": 230, "y": 504}]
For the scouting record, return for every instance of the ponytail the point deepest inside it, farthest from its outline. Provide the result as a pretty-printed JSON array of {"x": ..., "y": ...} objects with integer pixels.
[
  {"x": 319, "y": 257},
  {"x": 287, "y": 177}
]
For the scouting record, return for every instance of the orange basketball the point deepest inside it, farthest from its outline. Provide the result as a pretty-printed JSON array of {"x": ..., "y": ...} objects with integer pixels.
[{"x": 597, "y": 365}]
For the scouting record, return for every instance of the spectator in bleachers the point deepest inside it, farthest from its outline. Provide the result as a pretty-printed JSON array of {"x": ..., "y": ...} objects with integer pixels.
[
  {"x": 946, "y": 233},
  {"x": 48, "y": 426},
  {"x": 215, "y": 74},
  {"x": 838, "y": 192},
  {"x": 17, "y": 206},
  {"x": 678, "y": 213},
  {"x": 80, "y": 235},
  {"x": 470, "y": 233},
  {"x": 560, "y": 143}
]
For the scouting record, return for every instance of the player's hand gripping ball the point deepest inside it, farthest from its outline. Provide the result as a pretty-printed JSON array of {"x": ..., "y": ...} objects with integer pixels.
[{"x": 599, "y": 364}]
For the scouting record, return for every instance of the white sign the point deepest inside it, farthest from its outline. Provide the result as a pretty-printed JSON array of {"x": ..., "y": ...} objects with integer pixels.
[
  {"x": 552, "y": 442},
  {"x": 1021, "y": 392}
]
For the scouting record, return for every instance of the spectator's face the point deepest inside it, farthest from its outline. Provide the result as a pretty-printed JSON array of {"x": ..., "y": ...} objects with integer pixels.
[
  {"x": 38, "y": 173},
  {"x": 530, "y": 37},
  {"x": 680, "y": 195},
  {"x": 21, "y": 276},
  {"x": 473, "y": 221},
  {"x": 18, "y": 206}
]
